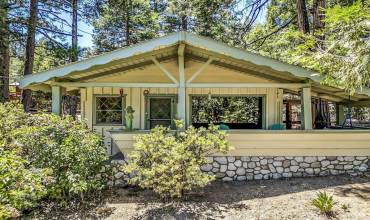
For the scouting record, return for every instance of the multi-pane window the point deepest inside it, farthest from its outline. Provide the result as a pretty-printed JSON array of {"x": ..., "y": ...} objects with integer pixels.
[
  {"x": 109, "y": 110},
  {"x": 237, "y": 112}
]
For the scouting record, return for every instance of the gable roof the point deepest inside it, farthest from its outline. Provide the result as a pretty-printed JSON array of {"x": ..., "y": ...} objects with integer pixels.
[{"x": 167, "y": 41}]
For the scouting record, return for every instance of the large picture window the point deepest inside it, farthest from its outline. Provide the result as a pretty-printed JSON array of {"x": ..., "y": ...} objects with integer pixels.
[
  {"x": 237, "y": 112},
  {"x": 109, "y": 110}
]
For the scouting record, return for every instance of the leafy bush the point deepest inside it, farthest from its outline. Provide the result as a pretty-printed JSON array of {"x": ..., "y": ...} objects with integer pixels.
[
  {"x": 20, "y": 186},
  {"x": 74, "y": 154},
  {"x": 169, "y": 162},
  {"x": 324, "y": 203},
  {"x": 42, "y": 156}
]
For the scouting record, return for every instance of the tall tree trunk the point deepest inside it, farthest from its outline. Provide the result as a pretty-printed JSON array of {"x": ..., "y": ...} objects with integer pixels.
[
  {"x": 128, "y": 36},
  {"x": 74, "y": 56},
  {"x": 4, "y": 51},
  {"x": 184, "y": 23},
  {"x": 30, "y": 51},
  {"x": 318, "y": 14},
  {"x": 302, "y": 17}
]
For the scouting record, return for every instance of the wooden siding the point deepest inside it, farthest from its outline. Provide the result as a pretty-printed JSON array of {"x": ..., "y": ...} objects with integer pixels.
[{"x": 283, "y": 143}]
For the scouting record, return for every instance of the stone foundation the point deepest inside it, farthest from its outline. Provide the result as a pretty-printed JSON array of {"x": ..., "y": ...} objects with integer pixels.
[
  {"x": 256, "y": 168},
  {"x": 235, "y": 168}
]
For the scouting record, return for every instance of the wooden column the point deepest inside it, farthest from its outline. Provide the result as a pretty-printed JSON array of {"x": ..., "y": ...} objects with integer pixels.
[
  {"x": 306, "y": 108},
  {"x": 56, "y": 96},
  {"x": 181, "y": 102}
]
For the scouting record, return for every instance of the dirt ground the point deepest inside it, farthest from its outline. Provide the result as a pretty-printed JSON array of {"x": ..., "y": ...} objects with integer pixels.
[{"x": 268, "y": 199}]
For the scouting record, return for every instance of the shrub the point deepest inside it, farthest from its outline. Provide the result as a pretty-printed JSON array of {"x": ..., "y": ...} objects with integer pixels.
[
  {"x": 44, "y": 155},
  {"x": 324, "y": 203},
  {"x": 20, "y": 186},
  {"x": 169, "y": 162},
  {"x": 72, "y": 152}
]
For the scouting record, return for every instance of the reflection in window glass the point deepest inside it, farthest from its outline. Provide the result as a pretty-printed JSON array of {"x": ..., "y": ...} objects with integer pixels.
[{"x": 238, "y": 112}]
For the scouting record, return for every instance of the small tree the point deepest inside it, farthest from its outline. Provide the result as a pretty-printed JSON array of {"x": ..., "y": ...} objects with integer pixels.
[{"x": 169, "y": 162}]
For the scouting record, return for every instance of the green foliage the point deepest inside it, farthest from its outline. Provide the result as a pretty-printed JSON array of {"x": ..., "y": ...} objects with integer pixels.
[
  {"x": 21, "y": 187},
  {"x": 73, "y": 153},
  {"x": 43, "y": 155},
  {"x": 170, "y": 162},
  {"x": 324, "y": 203}
]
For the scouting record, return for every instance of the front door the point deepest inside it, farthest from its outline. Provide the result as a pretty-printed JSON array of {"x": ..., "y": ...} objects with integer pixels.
[{"x": 160, "y": 111}]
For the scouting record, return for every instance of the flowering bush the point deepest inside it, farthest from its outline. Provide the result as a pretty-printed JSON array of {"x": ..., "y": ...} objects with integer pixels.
[
  {"x": 169, "y": 163},
  {"x": 43, "y": 155}
]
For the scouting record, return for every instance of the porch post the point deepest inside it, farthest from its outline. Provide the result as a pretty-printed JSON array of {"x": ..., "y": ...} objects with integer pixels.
[
  {"x": 306, "y": 109},
  {"x": 340, "y": 114},
  {"x": 56, "y": 97},
  {"x": 181, "y": 103}
]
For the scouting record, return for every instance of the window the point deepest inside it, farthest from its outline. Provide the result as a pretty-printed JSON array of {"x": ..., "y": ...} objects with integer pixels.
[
  {"x": 237, "y": 112},
  {"x": 109, "y": 110}
]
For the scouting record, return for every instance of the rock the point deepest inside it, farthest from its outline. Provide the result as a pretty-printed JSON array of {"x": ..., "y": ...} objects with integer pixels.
[
  {"x": 223, "y": 168},
  {"x": 277, "y": 163},
  {"x": 245, "y": 164},
  {"x": 294, "y": 168},
  {"x": 331, "y": 158},
  {"x": 110, "y": 183},
  {"x": 206, "y": 168},
  {"x": 310, "y": 159},
  {"x": 279, "y": 169},
  {"x": 119, "y": 175},
  {"x": 325, "y": 163},
  {"x": 238, "y": 163},
  {"x": 357, "y": 162},
  {"x": 363, "y": 168},
  {"x": 215, "y": 170},
  {"x": 263, "y": 162},
  {"x": 266, "y": 177},
  {"x": 276, "y": 176},
  {"x": 255, "y": 159},
  {"x": 230, "y": 159},
  {"x": 227, "y": 179},
  {"x": 251, "y": 165},
  {"x": 321, "y": 158},
  {"x": 298, "y": 159},
  {"x": 258, "y": 177},
  {"x": 270, "y": 160},
  {"x": 316, "y": 165},
  {"x": 286, "y": 163},
  {"x": 287, "y": 175},
  {"x": 361, "y": 158},
  {"x": 230, "y": 173},
  {"x": 240, "y": 171},
  {"x": 272, "y": 168},
  {"x": 220, "y": 175},
  {"x": 304, "y": 165},
  {"x": 309, "y": 171},
  {"x": 241, "y": 178},
  {"x": 293, "y": 163},
  {"x": 349, "y": 158},
  {"x": 250, "y": 176},
  {"x": 338, "y": 167},
  {"x": 348, "y": 167},
  {"x": 215, "y": 164},
  {"x": 221, "y": 160},
  {"x": 244, "y": 159},
  {"x": 279, "y": 158},
  {"x": 265, "y": 171},
  {"x": 231, "y": 166},
  {"x": 120, "y": 183}
]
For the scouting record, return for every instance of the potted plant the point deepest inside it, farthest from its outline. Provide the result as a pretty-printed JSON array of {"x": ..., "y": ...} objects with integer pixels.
[{"x": 129, "y": 115}]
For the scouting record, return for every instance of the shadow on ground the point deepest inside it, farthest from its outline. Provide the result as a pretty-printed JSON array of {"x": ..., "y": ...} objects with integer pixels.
[{"x": 212, "y": 201}]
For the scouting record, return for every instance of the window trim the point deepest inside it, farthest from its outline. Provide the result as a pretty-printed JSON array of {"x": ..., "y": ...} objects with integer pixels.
[
  {"x": 264, "y": 103},
  {"x": 95, "y": 112}
]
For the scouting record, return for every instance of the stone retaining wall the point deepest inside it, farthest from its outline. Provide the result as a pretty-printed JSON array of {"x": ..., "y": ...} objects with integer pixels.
[
  {"x": 235, "y": 168},
  {"x": 257, "y": 168}
]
